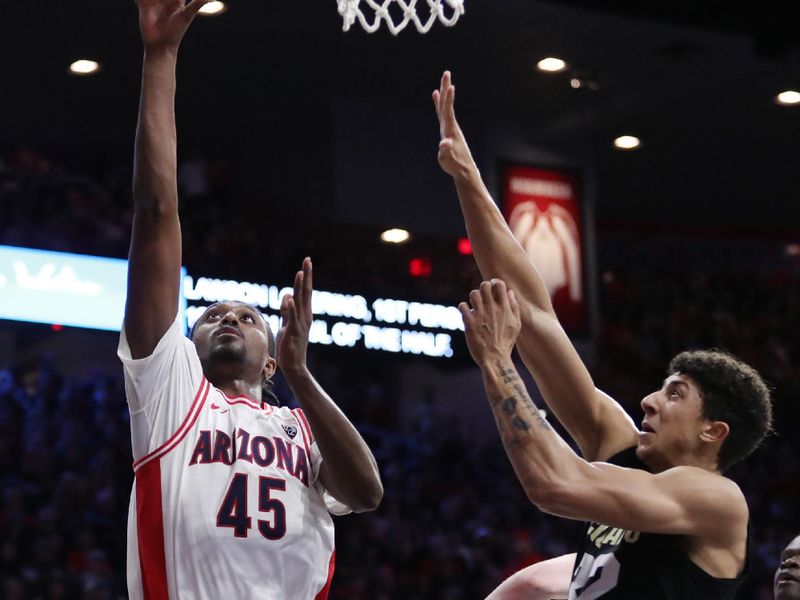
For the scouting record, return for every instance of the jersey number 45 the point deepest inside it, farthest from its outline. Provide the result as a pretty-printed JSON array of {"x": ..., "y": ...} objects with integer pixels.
[{"x": 233, "y": 510}]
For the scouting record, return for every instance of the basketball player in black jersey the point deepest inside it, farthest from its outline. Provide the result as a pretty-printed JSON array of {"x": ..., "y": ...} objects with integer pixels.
[
  {"x": 662, "y": 521},
  {"x": 787, "y": 577}
]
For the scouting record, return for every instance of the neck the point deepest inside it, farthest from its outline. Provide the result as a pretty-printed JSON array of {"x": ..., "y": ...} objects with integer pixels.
[
  {"x": 233, "y": 382},
  {"x": 239, "y": 387}
]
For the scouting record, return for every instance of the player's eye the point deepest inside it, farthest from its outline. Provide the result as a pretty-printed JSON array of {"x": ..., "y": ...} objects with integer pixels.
[{"x": 248, "y": 317}]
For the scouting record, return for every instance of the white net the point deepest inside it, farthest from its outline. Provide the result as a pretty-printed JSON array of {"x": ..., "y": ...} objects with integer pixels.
[{"x": 399, "y": 13}]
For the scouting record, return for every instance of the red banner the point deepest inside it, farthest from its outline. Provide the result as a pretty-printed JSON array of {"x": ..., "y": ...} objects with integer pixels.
[{"x": 543, "y": 209}]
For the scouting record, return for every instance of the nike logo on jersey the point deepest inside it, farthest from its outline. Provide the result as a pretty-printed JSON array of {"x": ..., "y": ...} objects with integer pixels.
[{"x": 214, "y": 406}]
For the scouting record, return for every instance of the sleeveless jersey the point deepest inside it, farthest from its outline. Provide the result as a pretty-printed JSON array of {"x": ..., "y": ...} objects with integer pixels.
[
  {"x": 617, "y": 564},
  {"x": 226, "y": 501}
]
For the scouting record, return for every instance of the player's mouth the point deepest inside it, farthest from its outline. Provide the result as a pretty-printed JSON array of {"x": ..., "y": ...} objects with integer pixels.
[
  {"x": 646, "y": 428},
  {"x": 788, "y": 576},
  {"x": 227, "y": 330}
]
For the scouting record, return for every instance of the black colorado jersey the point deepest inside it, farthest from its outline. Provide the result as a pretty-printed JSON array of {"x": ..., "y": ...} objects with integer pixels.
[{"x": 617, "y": 564}]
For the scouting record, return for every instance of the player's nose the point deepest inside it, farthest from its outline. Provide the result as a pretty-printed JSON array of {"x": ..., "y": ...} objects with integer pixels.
[
  {"x": 648, "y": 404},
  {"x": 230, "y": 317}
]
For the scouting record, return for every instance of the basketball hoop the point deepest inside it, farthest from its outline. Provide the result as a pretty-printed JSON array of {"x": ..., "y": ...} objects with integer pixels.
[{"x": 446, "y": 11}]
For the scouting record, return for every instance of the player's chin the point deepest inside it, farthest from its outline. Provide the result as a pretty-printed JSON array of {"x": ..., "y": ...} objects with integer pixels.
[
  {"x": 646, "y": 439},
  {"x": 643, "y": 449},
  {"x": 787, "y": 589},
  {"x": 227, "y": 350}
]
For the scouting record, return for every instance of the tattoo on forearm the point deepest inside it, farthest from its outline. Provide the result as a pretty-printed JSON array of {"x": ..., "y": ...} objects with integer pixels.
[
  {"x": 520, "y": 397},
  {"x": 506, "y": 375},
  {"x": 520, "y": 423}
]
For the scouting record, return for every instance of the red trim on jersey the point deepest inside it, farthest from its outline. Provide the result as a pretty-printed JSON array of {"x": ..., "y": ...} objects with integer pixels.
[
  {"x": 246, "y": 400},
  {"x": 240, "y": 400},
  {"x": 150, "y": 532},
  {"x": 308, "y": 427},
  {"x": 323, "y": 593},
  {"x": 300, "y": 418},
  {"x": 180, "y": 433}
]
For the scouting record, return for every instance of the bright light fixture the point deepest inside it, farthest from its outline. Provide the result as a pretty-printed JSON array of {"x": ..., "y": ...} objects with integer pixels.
[
  {"x": 551, "y": 64},
  {"x": 84, "y": 67},
  {"x": 788, "y": 97},
  {"x": 627, "y": 142},
  {"x": 213, "y": 8},
  {"x": 395, "y": 236}
]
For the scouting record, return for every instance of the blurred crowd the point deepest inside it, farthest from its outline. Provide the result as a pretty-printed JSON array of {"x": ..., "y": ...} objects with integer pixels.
[
  {"x": 48, "y": 206},
  {"x": 453, "y": 522}
]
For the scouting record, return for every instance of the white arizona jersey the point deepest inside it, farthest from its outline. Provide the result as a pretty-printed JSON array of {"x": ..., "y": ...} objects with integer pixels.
[{"x": 226, "y": 502}]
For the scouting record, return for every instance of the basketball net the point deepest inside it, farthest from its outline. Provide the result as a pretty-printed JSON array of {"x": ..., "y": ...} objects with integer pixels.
[{"x": 446, "y": 11}]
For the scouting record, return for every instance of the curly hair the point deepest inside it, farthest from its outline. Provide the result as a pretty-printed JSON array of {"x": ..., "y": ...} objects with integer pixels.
[
  {"x": 733, "y": 392},
  {"x": 267, "y": 385}
]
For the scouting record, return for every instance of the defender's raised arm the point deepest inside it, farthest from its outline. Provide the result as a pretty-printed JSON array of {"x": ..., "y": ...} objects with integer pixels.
[
  {"x": 597, "y": 423},
  {"x": 155, "y": 252}
]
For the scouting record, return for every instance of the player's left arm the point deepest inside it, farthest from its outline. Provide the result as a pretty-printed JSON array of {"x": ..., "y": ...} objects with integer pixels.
[
  {"x": 682, "y": 500},
  {"x": 348, "y": 471}
]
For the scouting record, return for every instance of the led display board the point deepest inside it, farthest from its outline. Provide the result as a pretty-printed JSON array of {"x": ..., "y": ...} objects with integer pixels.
[{"x": 88, "y": 291}]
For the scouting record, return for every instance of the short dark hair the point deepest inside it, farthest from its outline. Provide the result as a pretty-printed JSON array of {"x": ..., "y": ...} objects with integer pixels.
[
  {"x": 733, "y": 392},
  {"x": 267, "y": 393}
]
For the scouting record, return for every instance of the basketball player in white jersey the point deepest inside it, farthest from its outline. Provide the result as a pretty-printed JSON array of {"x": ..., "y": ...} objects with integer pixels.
[
  {"x": 662, "y": 522},
  {"x": 232, "y": 495}
]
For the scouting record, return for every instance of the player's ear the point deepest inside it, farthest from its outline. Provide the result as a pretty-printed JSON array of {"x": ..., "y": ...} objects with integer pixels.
[
  {"x": 269, "y": 368},
  {"x": 714, "y": 431}
]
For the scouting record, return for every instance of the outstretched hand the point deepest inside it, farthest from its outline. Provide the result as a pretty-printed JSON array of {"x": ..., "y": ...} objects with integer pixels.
[
  {"x": 296, "y": 322},
  {"x": 492, "y": 322},
  {"x": 454, "y": 155},
  {"x": 163, "y": 23}
]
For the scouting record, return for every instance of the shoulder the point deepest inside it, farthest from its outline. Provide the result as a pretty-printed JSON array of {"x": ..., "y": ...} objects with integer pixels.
[
  {"x": 694, "y": 475},
  {"x": 713, "y": 495},
  {"x": 173, "y": 338}
]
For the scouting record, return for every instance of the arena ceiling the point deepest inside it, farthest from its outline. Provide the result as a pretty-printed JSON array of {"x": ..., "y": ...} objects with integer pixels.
[{"x": 696, "y": 81}]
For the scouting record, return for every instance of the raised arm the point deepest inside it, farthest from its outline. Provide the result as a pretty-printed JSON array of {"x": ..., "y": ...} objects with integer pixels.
[
  {"x": 599, "y": 425},
  {"x": 681, "y": 500},
  {"x": 349, "y": 471},
  {"x": 155, "y": 253}
]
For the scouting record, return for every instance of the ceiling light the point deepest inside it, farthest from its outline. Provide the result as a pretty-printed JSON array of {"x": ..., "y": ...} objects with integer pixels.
[
  {"x": 395, "y": 236},
  {"x": 627, "y": 142},
  {"x": 84, "y": 67},
  {"x": 788, "y": 97},
  {"x": 213, "y": 8},
  {"x": 583, "y": 80},
  {"x": 551, "y": 64}
]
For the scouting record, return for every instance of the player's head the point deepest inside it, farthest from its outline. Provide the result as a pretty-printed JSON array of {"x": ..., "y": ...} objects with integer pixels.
[
  {"x": 233, "y": 340},
  {"x": 787, "y": 578},
  {"x": 712, "y": 408}
]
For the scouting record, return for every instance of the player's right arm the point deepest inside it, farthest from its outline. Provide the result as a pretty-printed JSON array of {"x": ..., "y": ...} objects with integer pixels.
[
  {"x": 599, "y": 426},
  {"x": 155, "y": 252}
]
